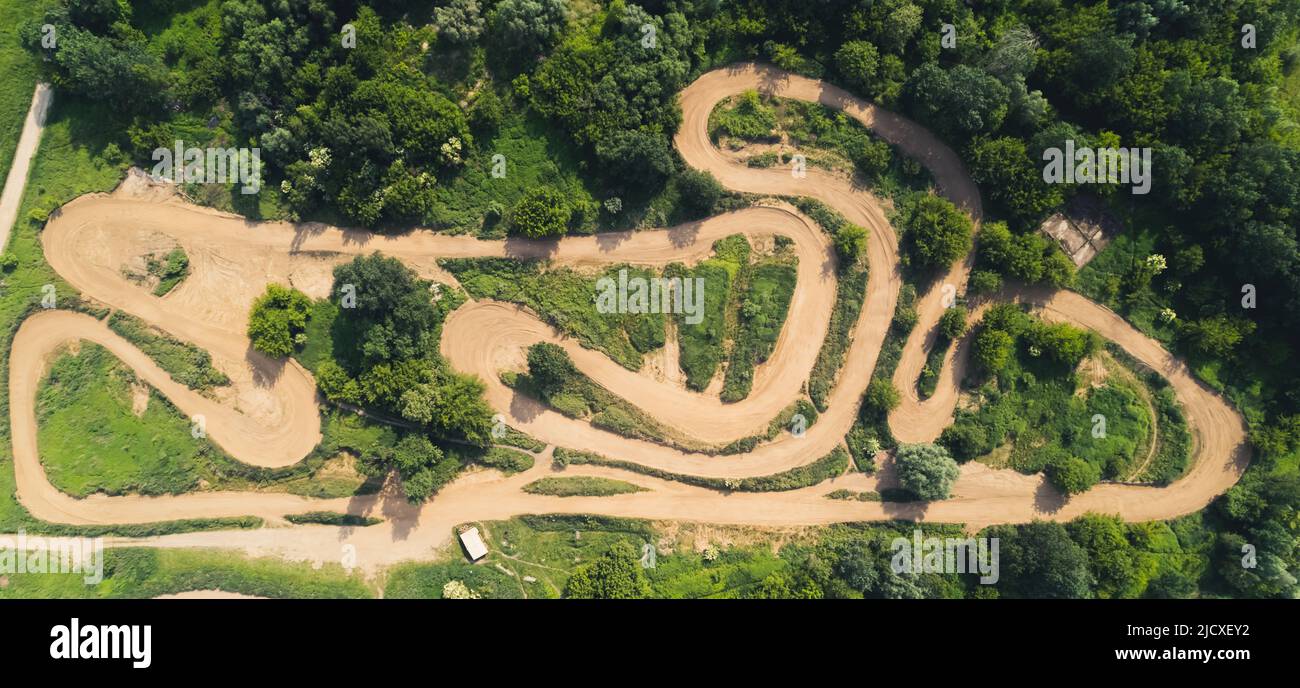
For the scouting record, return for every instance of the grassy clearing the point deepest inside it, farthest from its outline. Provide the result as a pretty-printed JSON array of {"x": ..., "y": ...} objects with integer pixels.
[
  {"x": 746, "y": 116},
  {"x": 427, "y": 581},
  {"x": 1171, "y": 457},
  {"x": 534, "y": 556},
  {"x": 1100, "y": 279},
  {"x": 473, "y": 200},
  {"x": 822, "y": 469},
  {"x": 581, "y": 486},
  {"x": 771, "y": 130},
  {"x": 137, "y": 573},
  {"x": 102, "y": 430},
  {"x": 92, "y": 440},
  {"x": 1041, "y": 411},
  {"x": 542, "y": 548},
  {"x": 320, "y": 335},
  {"x": 186, "y": 363},
  {"x": 565, "y": 299}
]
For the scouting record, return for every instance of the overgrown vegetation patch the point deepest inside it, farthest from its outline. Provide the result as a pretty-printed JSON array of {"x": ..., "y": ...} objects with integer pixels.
[
  {"x": 186, "y": 363},
  {"x": 564, "y": 299},
  {"x": 581, "y": 486},
  {"x": 825, "y": 468},
  {"x": 1034, "y": 398}
]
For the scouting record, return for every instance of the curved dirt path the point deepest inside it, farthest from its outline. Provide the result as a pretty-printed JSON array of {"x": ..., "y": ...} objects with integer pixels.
[{"x": 238, "y": 257}]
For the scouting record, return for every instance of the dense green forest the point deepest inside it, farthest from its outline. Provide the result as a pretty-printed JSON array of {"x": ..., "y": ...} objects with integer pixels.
[{"x": 383, "y": 114}]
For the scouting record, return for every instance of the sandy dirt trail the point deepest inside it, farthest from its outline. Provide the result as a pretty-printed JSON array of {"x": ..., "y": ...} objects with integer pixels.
[
  {"x": 238, "y": 257},
  {"x": 33, "y": 126},
  {"x": 232, "y": 260}
]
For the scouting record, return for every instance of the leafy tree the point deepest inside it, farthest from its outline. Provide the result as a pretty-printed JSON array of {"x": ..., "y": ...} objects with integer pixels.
[
  {"x": 615, "y": 94},
  {"x": 616, "y": 575},
  {"x": 1063, "y": 343},
  {"x": 850, "y": 243},
  {"x": 451, "y": 405},
  {"x": 542, "y": 212},
  {"x": 992, "y": 349},
  {"x": 926, "y": 470},
  {"x": 1171, "y": 584},
  {"x": 985, "y": 282},
  {"x": 1058, "y": 269},
  {"x": 460, "y": 21},
  {"x": 529, "y": 27},
  {"x": 385, "y": 343},
  {"x": 278, "y": 316},
  {"x": 419, "y": 464},
  {"x": 1256, "y": 511},
  {"x": 894, "y": 586},
  {"x": 857, "y": 565},
  {"x": 1216, "y": 336},
  {"x": 881, "y": 396},
  {"x": 699, "y": 191},
  {"x": 871, "y": 157},
  {"x": 1030, "y": 257},
  {"x": 952, "y": 324},
  {"x": 116, "y": 67},
  {"x": 1007, "y": 317},
  {"x": 1112, "y": 560},
  {"x": 1006, "y": 174},
  {"x": 958, "y": 103},
  {"x": 1072, "y": 475},
  {"x": 550, "y": 367},
  {"x": 335, "y": 383},
  {"x": 1039, "y": 560},
  {"x": 936, "y": 233},
  {"x": 966, "y": 440},
  {"x": 393, "y": 313},
  {"x": 859, "y": 63}
]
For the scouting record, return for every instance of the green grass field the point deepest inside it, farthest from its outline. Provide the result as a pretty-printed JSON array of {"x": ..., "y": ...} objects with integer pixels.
[
  {"x": 138, "y": 573},
  {"x": 92, "y": 440}
]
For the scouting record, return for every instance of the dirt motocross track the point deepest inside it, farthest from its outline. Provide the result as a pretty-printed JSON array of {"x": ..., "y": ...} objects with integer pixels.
[{"x": 272, "y": 419}]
